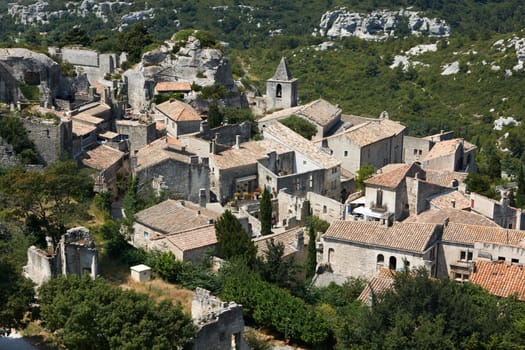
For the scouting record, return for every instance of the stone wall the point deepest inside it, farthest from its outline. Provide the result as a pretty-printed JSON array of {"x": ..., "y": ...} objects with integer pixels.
[
  {"x": 51, "y": 138},
  {"x": 139, "y": 134},
  {"x": 220, "y": 323},
  {"x": 419, "y": 191},
  {"x": 415, "y": 148},
  {"x": 226, "y": 134},
  {"x": 8, "y": 157},
  {"x": 92, "y": 63},
  {"x": 41, "y": 266},
  {"x": 326, "y": 208}
]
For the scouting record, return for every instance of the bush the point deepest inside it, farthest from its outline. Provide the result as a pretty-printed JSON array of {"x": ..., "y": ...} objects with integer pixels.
[{"x": 300, "y": 126}]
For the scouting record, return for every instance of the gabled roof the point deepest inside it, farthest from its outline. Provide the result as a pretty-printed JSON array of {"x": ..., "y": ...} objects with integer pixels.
[
  {"x": 177, "y": 86},
  {"x": 391, "y": 175},
  {"x": 377, "y": 285},
  {"x": 282, "y": 72},
  {"x": 178, "y": 111},
  {"x": 160, "y": 150},
  {"x": 319, "y": 111},
  {"x": 296, "y": 142},
  {"x": 194, "y": 238},
  {"x": 287, "y": 238},
  {"x": 468, "y": 234},
  {"x": 445, "y": 148},
  {"x": 499, "y": 278},
  {"x": 411, "y": 237},
  {"x": 248, "y": 153},
  {"x": 173, "y": 216},
  {"x": 457, "y": 216},
  {"x": 444, "y": 177},
  {"x": 101, "y": 157},
  {"x": 444, "y": 201}
]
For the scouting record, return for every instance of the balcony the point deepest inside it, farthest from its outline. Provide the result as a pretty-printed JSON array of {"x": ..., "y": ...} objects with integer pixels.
[{"x": 381, "y": 208}]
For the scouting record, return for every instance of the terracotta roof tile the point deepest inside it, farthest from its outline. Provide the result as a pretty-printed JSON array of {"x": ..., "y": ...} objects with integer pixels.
[
  {"x": 287, "y": 238},
  {"x": 454, "y": 215},
  {"x": 499, "y": 278},
  {"x": 167, "y": 86},
  {"x": 194, "y": 238},
  {"x": 79, "y": 129},
  {"x": 248, "y": 153},
  {"x": 391, "y": 175},
  {"x": 179, "y": 111},
  {"x": 173, "y": 216},
  {"x": 319, "y": 111},
  {"x": 445, "y": 201},
  {"x": 101, "y": 157},
  {"x": 376, "y": 285},
  {"x": 88, "y": 118},
  {"x": 160, "y": 150},
  {"x": 293, "y": 140},
  {"x": 413, "y": 237},
  {"x": 468, "y": 234},
  {"x": 444, "y": 177},
  {"x": 447, "y": 147}
]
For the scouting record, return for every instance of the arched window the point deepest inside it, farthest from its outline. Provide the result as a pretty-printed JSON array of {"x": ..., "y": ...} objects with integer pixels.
[
  {"x": 279, "y": 91},
  {"x": 380, "y": 259},
  {"x": 392, "y": 263}
]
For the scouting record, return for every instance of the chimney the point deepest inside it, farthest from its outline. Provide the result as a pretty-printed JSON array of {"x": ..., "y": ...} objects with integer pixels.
[
  {"x": 237, "y": 141},
  {"x": 453, "y": 203},
  {"x": 203, "y": 126},
  {"x": 299, "y": 240},
  {"x": 213, "y": 147}
]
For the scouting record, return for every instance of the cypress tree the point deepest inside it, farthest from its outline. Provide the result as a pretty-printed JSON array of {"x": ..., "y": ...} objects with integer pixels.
[
  {"x": 266, "y": 213},
  {"x": 311, "y": 259}
]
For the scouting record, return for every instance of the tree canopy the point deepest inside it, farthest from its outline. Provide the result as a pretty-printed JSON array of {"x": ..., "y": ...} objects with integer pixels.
[
  {"x": 265, "y": 209},
  {"x": 232, "y": 239},
  {"x": 300, "y": 126}
]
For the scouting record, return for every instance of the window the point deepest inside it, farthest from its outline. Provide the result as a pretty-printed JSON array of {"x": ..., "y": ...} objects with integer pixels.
[
  {"x": 380, "y": 259},
  {"x": 501, "y": 258},
  {"x": 146, "y": 235},
  {"x": 415, "y": 151},
  {"x": 509, "y": 226},
  {"x": 420, "y": 152},
  {"x": 311, "y": 182},
  {"x": 325, "y": 209},
  {"x": 514, "y": 261},
  {"x": 279, "y": 91},
  {"x": 331, "y": 253},
  {"x": 392, "y": 263},
  {"x": 379, "y": 198},
  {"x": 465, "y": 255},
  {"x": 346, "y": 153}
]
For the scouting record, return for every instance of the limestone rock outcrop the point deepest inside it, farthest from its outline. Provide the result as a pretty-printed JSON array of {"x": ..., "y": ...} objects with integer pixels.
[{"x": 378, "y": 25}]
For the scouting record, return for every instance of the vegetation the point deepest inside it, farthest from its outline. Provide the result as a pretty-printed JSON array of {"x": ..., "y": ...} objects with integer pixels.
[
  {"x": 12, "y": 130},
  {"x": 233, "y": 240},
  {"x": 265, "y": 209},
  {"x": 311, "y": 258},
  {"x": 300, "y": 126},
  {"x": 89, "y": 314},
  {"x": 215, "y": 116},
  {"x": 366, "y": 171}
]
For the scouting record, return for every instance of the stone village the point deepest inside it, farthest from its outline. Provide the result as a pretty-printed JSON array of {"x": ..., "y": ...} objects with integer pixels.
[{"x": 414, "y": 211}]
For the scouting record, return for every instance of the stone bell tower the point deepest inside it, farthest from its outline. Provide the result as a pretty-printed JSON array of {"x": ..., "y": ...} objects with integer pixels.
[{"x": 281, "y": 89}]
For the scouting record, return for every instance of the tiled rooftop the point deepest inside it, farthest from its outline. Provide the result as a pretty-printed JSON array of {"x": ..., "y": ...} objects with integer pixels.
[
  {"x": 454, "y": 216},
  {"x": 79, "y": 129},
  {"x": 499, "y": 278},
  {"x": 391, "y": 175},
  {"x": 88, "y": 118},
  {"x": 290, "y": 138},
  {"x": 444, "y": 177},
  {"x": 173, "y": 216},
  {"x": 168, "y": 86},
  {"x": 248, "y": 153},
  {"x": 446, "y": 200},
  {"x": 287, "y": 238},
  {"x": 101, "y": 157},
  {"x": 445, "y": 148},
  {"x": 413, "y": 237},
  {"x": 161, "y": 150},
  {"x": 377, "y": 285},
  {"x": 99, "y": 109},
  {"x": 319, "y": 111},
  {"x": 178, "y": 111},
  {"x": 194, "y": 238},
  {"x": 468, "y": 234}
]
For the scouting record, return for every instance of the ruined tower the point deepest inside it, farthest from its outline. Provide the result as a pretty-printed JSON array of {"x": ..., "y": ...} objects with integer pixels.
[{"x": 281, "y": 89}]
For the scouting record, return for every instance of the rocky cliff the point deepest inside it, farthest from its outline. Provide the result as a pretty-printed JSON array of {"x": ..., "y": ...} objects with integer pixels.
[{"x": 378, "y": 25}]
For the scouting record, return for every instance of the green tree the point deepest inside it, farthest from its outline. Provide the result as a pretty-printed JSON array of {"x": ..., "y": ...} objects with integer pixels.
[
  {"x": 89, "y": 314},
  {"x": 135, "y": 41},
  {"x": 76, "y": 36},
  {"x": 277, "y": 269},
  {"x": 13, "y": 131},
  {"x": 311, "y": 259},
  {"x": 265, "y": 209},
  {"x": 364, "y": 173},
  {"x": 300, "y": 126},
  {"x": 215, "y": 116},
  {"x": 232, "y": 239}
]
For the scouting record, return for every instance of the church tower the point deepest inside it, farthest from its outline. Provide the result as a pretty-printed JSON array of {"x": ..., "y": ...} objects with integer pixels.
[{"x": 281, "y": 89}]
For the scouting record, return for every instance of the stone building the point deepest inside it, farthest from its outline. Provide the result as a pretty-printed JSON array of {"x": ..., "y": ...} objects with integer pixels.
[
  {"x": 498, "y": 211},
  {"x": 138, "y": 132},
  {"x": 375, "y": 142},
  {"x": 75, "y": 254},
  {"x": 325, "y": 116},
  {"x": 52, "y": 137},
  {"x": 220, "y": 324},
  {"x": 281, "y": 89},
  {"x": 294, "y": 241},
  {"x": 167, "y": 165},
  {"x": 360, "y": 249},
  {"x": 305, "y": 169},
  {"x": 452, "y": 155},
  {"x": 180, "y": 118}
]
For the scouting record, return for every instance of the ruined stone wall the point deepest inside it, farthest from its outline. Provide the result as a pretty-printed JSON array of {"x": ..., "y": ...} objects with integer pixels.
[
  {"x": 51, "y": 138},
  {"x": 220, "y": 323},
  {"x": 226, "y": 134},
  {"x": 77, "y": 254},
  {"x": 41, "y": 266},
  {"x": 8, "y": 157}
]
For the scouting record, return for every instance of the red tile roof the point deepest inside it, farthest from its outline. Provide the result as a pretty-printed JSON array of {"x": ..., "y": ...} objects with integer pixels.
[
  {"x": 468, "y": 234},
  {"x": 392, "y": 175},
  {"x": 377, "y": 285},
  {"x": 177, "y": 86},
  {"x": 179, "y": 111},
  {"x": 499, "y": 278},
  {"x": 287, "y": 238},
  {"x": 413, "y": 237},
  {"x": 194, "y": 238},
  {"x": 454, "y": 215}
]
